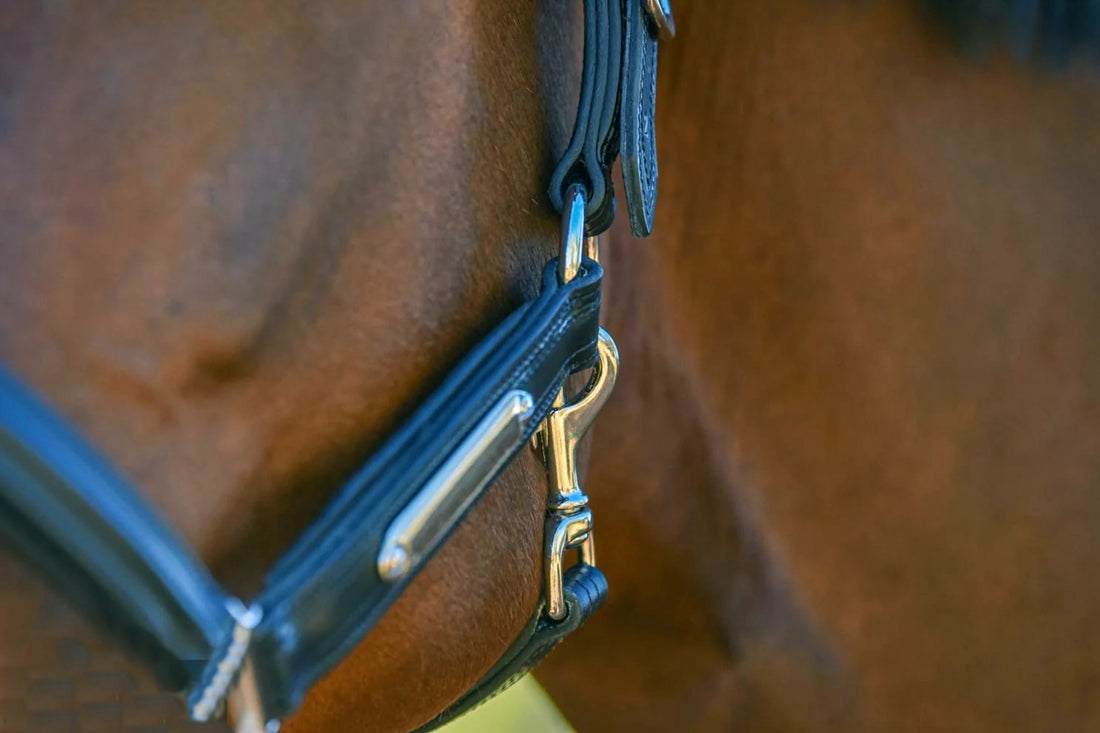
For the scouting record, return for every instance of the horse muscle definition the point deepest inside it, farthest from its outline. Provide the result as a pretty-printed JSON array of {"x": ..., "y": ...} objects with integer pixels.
[
  {"x": 854, "y": 453},
  {"x": 848, "y": 477}
]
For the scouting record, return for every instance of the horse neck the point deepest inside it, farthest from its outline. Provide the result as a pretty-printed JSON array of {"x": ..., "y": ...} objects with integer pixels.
[{"x": 871, "y": 294}]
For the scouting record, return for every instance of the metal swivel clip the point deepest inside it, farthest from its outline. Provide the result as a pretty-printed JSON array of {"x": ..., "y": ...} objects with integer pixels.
[{"x": 569, "y": 520}]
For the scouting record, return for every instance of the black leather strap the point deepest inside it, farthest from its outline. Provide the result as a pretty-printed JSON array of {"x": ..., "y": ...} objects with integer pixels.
[
  {"x": 638, "y": 131},
  {"x": 585, "y": 591},
  {"x": 71, "y": 516},
  {"x": 616, "y": 108},
  {"x": 325, "y": 594},
  {"x": 594, "y": 143}
]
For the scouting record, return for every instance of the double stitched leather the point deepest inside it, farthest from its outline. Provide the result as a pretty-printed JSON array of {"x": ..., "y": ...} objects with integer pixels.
[
  {"x": 637, "y": 119},
  {"x": 594, "y": 144},
  {"x": 616, "y": 112}
]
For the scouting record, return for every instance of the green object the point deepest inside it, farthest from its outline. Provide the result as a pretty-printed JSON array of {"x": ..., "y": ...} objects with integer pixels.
[{"x": 523, "y": 708}]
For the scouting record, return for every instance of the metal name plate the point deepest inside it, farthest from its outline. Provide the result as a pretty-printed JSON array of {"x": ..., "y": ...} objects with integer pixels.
[{"x": 423, "y": 524}]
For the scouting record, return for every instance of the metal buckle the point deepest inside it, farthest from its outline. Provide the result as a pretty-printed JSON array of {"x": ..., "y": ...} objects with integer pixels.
[{"x": 569, "y": 520}]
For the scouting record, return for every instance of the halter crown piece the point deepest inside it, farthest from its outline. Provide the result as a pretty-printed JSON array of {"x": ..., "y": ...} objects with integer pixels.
[{"x": 70, "y": 515}]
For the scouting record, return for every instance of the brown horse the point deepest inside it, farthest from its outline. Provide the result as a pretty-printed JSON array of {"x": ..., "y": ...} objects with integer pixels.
[{"x": 848, "y": 476}]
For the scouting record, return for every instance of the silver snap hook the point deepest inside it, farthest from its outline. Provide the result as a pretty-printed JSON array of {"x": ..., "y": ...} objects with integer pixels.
[{"x": 569, "y": 520}]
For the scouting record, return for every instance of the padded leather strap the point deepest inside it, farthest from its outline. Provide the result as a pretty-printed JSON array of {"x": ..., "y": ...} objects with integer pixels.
[
  {"x": 594, "y": 143},
  {"x": 585, "y": 591},
  {"x": 67, "y": 513},
  {"x": 325, "y": 594}
]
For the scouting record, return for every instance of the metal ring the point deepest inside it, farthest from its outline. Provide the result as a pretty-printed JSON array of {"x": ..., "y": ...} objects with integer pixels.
[
  {"x": 572, "y": 234},
  {"x": 568, "y": 519}
]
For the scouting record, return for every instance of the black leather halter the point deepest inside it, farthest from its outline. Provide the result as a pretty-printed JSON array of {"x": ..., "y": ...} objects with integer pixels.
[{"x": 70, "y": 515}]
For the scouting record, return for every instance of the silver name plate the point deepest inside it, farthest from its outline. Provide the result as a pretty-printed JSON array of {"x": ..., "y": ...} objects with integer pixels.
[{"x": 421, "y": 526}]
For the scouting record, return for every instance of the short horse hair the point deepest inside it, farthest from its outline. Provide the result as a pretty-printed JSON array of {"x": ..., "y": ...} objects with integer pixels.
[{"x": 1048, "y": 31}]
